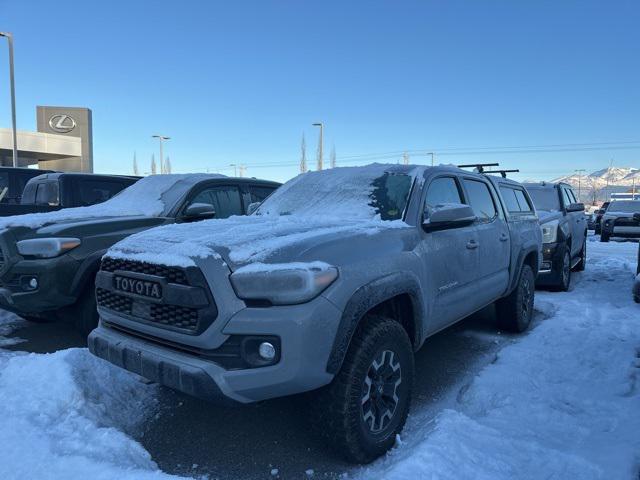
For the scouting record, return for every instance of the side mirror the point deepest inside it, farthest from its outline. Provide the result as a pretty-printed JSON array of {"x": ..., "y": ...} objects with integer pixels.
[
  {"x": 575, "y": 207},
  {"x": 252, "y": 207},
  {"x": 199, "y": 211},
  {"x": 449, "y": 215}
]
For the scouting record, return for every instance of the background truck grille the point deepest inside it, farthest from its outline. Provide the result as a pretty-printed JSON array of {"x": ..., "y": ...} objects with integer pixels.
[
  {"x": 2, "y": 260},
  {"x": 172, "y": 274}
]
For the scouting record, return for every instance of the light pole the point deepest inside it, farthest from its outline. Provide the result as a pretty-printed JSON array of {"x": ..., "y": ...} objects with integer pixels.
[
  {"x": 235, "y": 169},
  {"x": 13, "y": 97},
  {"x": 579, "y": 172},
  {"x": 162, "y": 138},
  {"x": 319, "y": 124},
  {"x": 432, "y": 155}
]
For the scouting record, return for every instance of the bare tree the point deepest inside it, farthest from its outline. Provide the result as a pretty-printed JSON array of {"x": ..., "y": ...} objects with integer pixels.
[
  {"x": 136, "y": 172},
  {"x": 167, "y": 165},
  {"x": 153, "y": 164},
  {"x": 303, "y": 156},
  {"x": 332, "y": 157}
]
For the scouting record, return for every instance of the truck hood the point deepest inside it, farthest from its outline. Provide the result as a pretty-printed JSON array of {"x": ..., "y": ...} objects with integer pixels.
[
  {"x": 267, "y": 239},
  {"x": 86, "y": 227},
  {"x": 547, "y": 216}
]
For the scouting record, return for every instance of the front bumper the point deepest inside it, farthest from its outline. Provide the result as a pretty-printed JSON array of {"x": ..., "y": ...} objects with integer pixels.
[
  {"x": 54, "y": 277},
  {"x": 620, "y": 229},
  {"x": 306, "y": 334},
  {"x": 551, "y": 267}
]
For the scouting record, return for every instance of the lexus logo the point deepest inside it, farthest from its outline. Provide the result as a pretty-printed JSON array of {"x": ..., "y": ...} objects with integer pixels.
[{"x": 62, "y": 123}]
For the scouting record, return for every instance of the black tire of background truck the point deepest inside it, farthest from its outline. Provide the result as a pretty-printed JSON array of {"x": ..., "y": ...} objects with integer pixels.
[
  {"x": 582, "y": 264},
  {"x": 636, "y": 298},
  {"x": 337, "y": 410},
  {"x": 564, "y": 275},
  {"x": 604, "y": 237},
  {"x": 514, "y": 312},
  {"x": 84, "y": 312}
]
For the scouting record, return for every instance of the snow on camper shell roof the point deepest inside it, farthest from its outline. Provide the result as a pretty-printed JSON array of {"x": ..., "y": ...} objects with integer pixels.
[
  {"x": 309, "y": 206},
  {"x": 149, "y": 196}
]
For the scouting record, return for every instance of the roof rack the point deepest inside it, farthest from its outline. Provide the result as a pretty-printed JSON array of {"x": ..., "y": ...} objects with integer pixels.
[
  {"x": 479, "y": 166},
  {"x": 503, "y": 173}
]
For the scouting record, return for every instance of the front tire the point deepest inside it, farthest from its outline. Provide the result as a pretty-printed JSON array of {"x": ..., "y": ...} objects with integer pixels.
[
  {"x": 360, "y": 413},
  {"x": 564, "y": 280},
  {"x": 581, "y": 265},
  {"x": 85, "y": 311},
  {"x": 515, "y": 311}
]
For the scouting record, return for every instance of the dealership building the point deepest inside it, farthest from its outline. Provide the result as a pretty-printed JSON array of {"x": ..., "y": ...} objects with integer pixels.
[{"x": 63, "y": 141}]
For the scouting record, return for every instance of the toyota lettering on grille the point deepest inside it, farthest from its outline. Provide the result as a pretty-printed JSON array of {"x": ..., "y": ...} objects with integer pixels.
[{"x": 143, "y": 288}]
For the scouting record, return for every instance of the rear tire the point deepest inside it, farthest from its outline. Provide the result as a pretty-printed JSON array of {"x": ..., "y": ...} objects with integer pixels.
[
  {"x": 362, "y": 410},
  {"x": 515, "y": 311}
]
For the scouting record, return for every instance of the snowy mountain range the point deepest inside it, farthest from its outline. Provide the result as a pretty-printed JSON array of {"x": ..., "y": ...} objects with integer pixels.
[{"x": 613, "y": 176}]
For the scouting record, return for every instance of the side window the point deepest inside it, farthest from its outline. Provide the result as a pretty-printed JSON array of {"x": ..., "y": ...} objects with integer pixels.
[
  {"x": 480, "y": 200},
  {"x": 47, "y": 194},
  {"x": 523, "y": 202},
  {"x": 225, "y": 200},
  {"x": 572, "y": 194},
  {"x": 510, "y": 200},
  {"x": 442, "y": 190},
  {"x": 92, "y": 192},
  {"x": 258, "y": 194},
  {"x": 566, "y": 199}
]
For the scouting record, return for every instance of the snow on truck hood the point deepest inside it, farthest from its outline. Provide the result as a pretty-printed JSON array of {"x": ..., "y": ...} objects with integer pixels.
[
  {"x": 310, "y": 206},
  {"x": 148, "y": 197}
]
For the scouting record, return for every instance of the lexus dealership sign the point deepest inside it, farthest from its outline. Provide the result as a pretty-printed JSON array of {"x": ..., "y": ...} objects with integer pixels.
[{"x": 62, "y": 123}]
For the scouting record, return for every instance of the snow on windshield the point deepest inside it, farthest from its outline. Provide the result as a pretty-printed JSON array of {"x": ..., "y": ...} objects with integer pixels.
[
  {"x": 545, "y": 198},
  {"x": 624, "y": 206},
  {"x": 352, "y": 192},
  {"x": 145, "y": 197}
]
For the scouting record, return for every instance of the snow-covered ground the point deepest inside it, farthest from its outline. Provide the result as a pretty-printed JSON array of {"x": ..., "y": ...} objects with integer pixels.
[{"x": 562, "y": 401}]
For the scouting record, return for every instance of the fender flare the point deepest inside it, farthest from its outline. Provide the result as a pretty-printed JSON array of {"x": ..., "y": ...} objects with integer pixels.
[
  {"x": 364, "y": 299},
  {"x": 87, "y": 270},
  {"x": 524, "y": 252}
]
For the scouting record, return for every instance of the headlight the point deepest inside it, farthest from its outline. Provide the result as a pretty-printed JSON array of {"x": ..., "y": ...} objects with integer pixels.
[
  {"x": 283, "y": 284},
  {"x": 550, "y": 231},
  {"x": 46, "y": 247}
]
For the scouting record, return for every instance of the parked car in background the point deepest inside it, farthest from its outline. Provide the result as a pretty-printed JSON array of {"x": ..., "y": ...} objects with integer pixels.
[
  {"x": 48, "y": 261},
  {"x": 331, "y": 284},
  {"x": 53, "y": 191},
  {"x": 591, "y": 220},
  {"x": 12, "y": 183},
  {"x": 564, "y": 233},
  {"x": 618, "y": 220},
  {"x": 598, "y": 220}
]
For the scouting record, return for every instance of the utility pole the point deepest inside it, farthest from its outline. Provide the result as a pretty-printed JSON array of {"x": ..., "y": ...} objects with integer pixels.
[
  {"x": 161, "y": 138},
  {"x": 12, "y": 86},
  {"x": 243, "y": 169},
  {"x": 235, "y": 169},
  {"x": 579, "y": 172},
  {"x": 332, "y": 157},
  {"x": 405, "y": 158},
  {"x": 303, "y": 155},
  {"x": 432, "y": 157},
  {"x": 135, "y": 165},
  {"x": 319, "y": 124}
]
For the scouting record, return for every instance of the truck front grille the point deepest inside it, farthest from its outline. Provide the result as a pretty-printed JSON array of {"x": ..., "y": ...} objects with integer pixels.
[
  {"x": 112, "y": 301},
  {"x": 172, "y": 274}
]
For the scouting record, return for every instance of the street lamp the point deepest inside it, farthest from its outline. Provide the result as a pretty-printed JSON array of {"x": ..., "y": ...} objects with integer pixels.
[
  {"x": 13, "y": 97},
  {"x": 161, "y": 138},
  {"x": 579, "y": 172},
  {"x": 235, "y": 169},
  {"x": 319, "y": 124}
]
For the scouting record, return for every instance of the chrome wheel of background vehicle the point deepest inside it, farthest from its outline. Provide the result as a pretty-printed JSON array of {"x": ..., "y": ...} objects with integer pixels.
[{"x": 380, "y": 391}]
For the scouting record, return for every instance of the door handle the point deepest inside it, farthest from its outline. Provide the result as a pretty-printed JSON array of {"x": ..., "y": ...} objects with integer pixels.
[
  {"x": 504, "y": 237},
  {"x": 472, "y": 244}
]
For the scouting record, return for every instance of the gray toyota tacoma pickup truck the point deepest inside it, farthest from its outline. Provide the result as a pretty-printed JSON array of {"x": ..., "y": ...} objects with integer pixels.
[
  {"x": 48, "y": 261},
  {"x": 328, "y": 288}
]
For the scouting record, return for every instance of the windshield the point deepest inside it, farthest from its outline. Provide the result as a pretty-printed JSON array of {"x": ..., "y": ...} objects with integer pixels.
[
  {"x": 545, "y": 198},
  {"x": 374, "y": 191},
  {"x": 624, "y": 207}
]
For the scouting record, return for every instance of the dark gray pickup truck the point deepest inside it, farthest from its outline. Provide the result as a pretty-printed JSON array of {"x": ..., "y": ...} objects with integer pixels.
[
  {"x": 48, "y": 261},
  {"x": 330, "y": 286}
]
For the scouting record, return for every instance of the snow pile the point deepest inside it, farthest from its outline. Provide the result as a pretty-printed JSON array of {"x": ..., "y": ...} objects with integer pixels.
[
  {"x": 562, "y": 402},
  {"x": 145, "y": 197},
  {"x": 64, "y": 416}
]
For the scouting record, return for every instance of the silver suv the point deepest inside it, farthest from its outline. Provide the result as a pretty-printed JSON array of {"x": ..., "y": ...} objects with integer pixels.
[{"x": 329, "y": 288}]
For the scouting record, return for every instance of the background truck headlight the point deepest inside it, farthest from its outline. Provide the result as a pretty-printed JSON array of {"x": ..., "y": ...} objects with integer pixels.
[
  {"x": 283, "y": 284},
  {"x": 549, "y": 231},
  {"x": 46, "y": 247}
]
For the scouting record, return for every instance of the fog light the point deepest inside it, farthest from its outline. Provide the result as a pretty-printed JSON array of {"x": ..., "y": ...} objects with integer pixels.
[
  {"x": 33, "y": 283},
  {"x": 28, "y": 283},
  {"x": 267, "y": 351}
]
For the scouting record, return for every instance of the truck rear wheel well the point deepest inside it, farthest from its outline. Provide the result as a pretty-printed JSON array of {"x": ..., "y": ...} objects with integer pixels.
[{"x": 400, "y": 309}]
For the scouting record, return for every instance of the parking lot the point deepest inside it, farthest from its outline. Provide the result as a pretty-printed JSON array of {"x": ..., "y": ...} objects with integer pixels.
[{"x": 192, "y": 438}]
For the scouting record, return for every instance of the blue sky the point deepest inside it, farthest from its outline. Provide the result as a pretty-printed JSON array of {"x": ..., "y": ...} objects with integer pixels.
[{"x": 239, "y": 82}]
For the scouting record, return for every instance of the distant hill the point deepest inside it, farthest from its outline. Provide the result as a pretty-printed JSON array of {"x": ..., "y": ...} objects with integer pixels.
[{"x": 600, "y": 184}]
